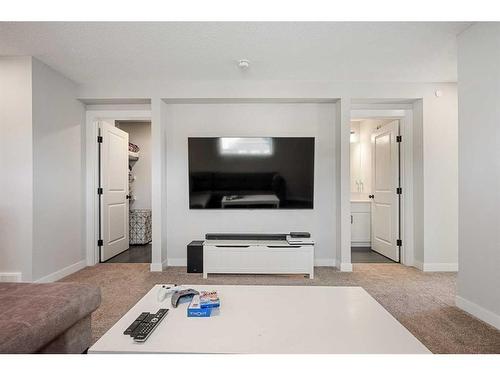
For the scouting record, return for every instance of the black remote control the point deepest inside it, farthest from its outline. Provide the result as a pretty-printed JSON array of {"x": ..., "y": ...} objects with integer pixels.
[
  {"x": 136, "y": 323},
  {"x": 148, "y": 325}
]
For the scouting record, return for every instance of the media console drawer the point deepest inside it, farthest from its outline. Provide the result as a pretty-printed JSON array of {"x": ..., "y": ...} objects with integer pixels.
[{"x": 258, "y": 259}]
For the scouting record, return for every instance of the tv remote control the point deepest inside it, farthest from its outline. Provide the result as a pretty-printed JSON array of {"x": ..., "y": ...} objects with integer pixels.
[
  {"x": 136, "y": 323},
  {"x": 148, "y": 325}
]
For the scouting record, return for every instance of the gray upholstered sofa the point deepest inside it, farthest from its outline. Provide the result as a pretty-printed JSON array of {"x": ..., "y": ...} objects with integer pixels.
[{"x": 46, "y": 318}]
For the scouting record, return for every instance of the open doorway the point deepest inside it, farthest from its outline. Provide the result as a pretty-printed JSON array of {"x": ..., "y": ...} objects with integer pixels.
[
  {"x": 375, "y": 190},
  {"x": 125, "y": 214}
]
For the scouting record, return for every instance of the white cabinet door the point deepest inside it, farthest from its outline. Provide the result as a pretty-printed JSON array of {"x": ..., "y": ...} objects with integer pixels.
[
  {"x": 360, "y": 229},
  {"x": 360, "y": 224}
]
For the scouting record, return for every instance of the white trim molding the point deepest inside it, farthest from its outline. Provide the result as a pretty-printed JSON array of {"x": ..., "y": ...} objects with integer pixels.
[
  {"x": 324, "y": 262},
  {"x": 345, "y": 267},
  {"x": 436, "y": 267},
  {"x": 159, "y": 267},
  {"x": 440, "y": 267},
  {"x": 418, "y": 264},
  {"x": 387, "y": 108},
  {"x": 66, "y": 271},
  {"x": 91, "y": 177},
  {"x": 10, "y": 277},
  {"x": 477, "y": 311},
  {"x": 177, "y": 262}
]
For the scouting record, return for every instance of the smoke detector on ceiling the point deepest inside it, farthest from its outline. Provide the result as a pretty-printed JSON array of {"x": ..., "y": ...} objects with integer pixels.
[{"x": 243, "y": 64}]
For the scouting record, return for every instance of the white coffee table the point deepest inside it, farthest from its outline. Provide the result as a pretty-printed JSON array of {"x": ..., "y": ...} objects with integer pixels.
[
  {"x": 251, "y": 200},
  {"x": 269, "y": 319}
]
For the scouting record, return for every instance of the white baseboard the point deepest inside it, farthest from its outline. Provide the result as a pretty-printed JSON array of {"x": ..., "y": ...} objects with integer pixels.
[
  {"x": 418, "y": 264},
  {"x": 158, "y": 267},
  {"x": 177, "y": 262},
  {"x": 325, "y": 262},
  {"x": 346, "y": 267},
  {"x": 436, "y": 267},
  {"x": 11, "y": 277},
  {"x": 66, "y": 271},
  {"x": 440, "y": 267},
  {"x": 478, "y": 311}
]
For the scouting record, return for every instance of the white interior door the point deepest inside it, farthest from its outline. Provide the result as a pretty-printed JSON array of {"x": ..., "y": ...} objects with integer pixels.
[
  {"x": 114, "y": 183},
  {"x": 385, "y": 201}
]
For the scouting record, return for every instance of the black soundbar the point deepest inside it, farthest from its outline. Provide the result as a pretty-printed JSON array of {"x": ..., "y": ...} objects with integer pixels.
[{"x": 246, "y": 236}]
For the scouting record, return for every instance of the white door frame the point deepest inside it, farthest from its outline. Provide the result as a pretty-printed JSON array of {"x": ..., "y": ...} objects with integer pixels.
[
  {"x": 92, "y": 118},
  {"x": 405, "y": 117}
]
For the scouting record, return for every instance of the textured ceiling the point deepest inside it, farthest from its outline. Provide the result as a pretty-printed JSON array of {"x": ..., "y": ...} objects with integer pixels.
[{"x": 338, "y": 51}]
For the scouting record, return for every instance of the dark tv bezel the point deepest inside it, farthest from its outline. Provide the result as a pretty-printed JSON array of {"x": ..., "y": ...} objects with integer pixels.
[{"x": 250, "y": 208}]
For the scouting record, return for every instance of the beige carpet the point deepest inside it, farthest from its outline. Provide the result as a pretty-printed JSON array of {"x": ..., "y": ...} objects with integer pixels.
[{"x": 422, "y": 302}]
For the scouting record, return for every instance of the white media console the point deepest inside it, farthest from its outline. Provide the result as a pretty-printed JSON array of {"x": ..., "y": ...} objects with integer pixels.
[{"x": 266, "y": 256}]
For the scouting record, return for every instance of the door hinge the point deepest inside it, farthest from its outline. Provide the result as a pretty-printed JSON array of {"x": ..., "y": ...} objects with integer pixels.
[
  {"x": 99, "y": 191},
  {"x": 99, "y": 139},
  {"x": 399, "y": 243},
  {"x": 100, "y": 242},
  {"x": 399, "y": 138},
  {"x": 399, "y": 190}
]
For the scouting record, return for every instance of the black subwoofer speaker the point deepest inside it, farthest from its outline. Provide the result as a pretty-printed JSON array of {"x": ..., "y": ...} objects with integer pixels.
[{"x": 195, "y": 257}]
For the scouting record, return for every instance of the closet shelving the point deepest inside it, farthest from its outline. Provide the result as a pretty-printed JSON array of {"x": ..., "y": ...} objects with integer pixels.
[{"x": 133, "y": 156}]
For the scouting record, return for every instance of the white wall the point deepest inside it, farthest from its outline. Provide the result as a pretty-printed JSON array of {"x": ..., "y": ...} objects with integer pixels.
[
  {"x": 440, "y": 173},
  {"x": 140, "y": 134},
  {"x": 436, "y": 227},
  {"x": 419, "y": 185},
  {"x": 16, "y": 166},
  {"x": 250, "y": 119},
  {"x": 57, "y": 173},
  {"x": 479, "y": 174}
]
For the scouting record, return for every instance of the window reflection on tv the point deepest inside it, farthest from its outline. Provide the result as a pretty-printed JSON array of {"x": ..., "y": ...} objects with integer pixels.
[{"x": 251, "y": 173}]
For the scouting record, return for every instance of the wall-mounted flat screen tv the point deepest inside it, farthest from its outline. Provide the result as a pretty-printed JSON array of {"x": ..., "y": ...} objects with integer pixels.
[{"x": 251, "y": 173}]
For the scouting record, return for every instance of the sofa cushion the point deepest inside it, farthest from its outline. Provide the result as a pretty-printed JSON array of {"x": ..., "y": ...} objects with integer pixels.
[{"x": 32, "y": 315}]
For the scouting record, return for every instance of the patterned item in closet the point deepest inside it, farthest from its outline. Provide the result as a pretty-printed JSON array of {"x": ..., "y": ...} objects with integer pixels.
[
  {"x": 132, "y": 147},
  {"x": 140, "y": 227}
]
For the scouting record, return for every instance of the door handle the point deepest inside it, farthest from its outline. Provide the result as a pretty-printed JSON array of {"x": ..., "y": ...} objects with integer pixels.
[
  {"x": 128, "y": 196},
  {"x": 371, "y": 196}
]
